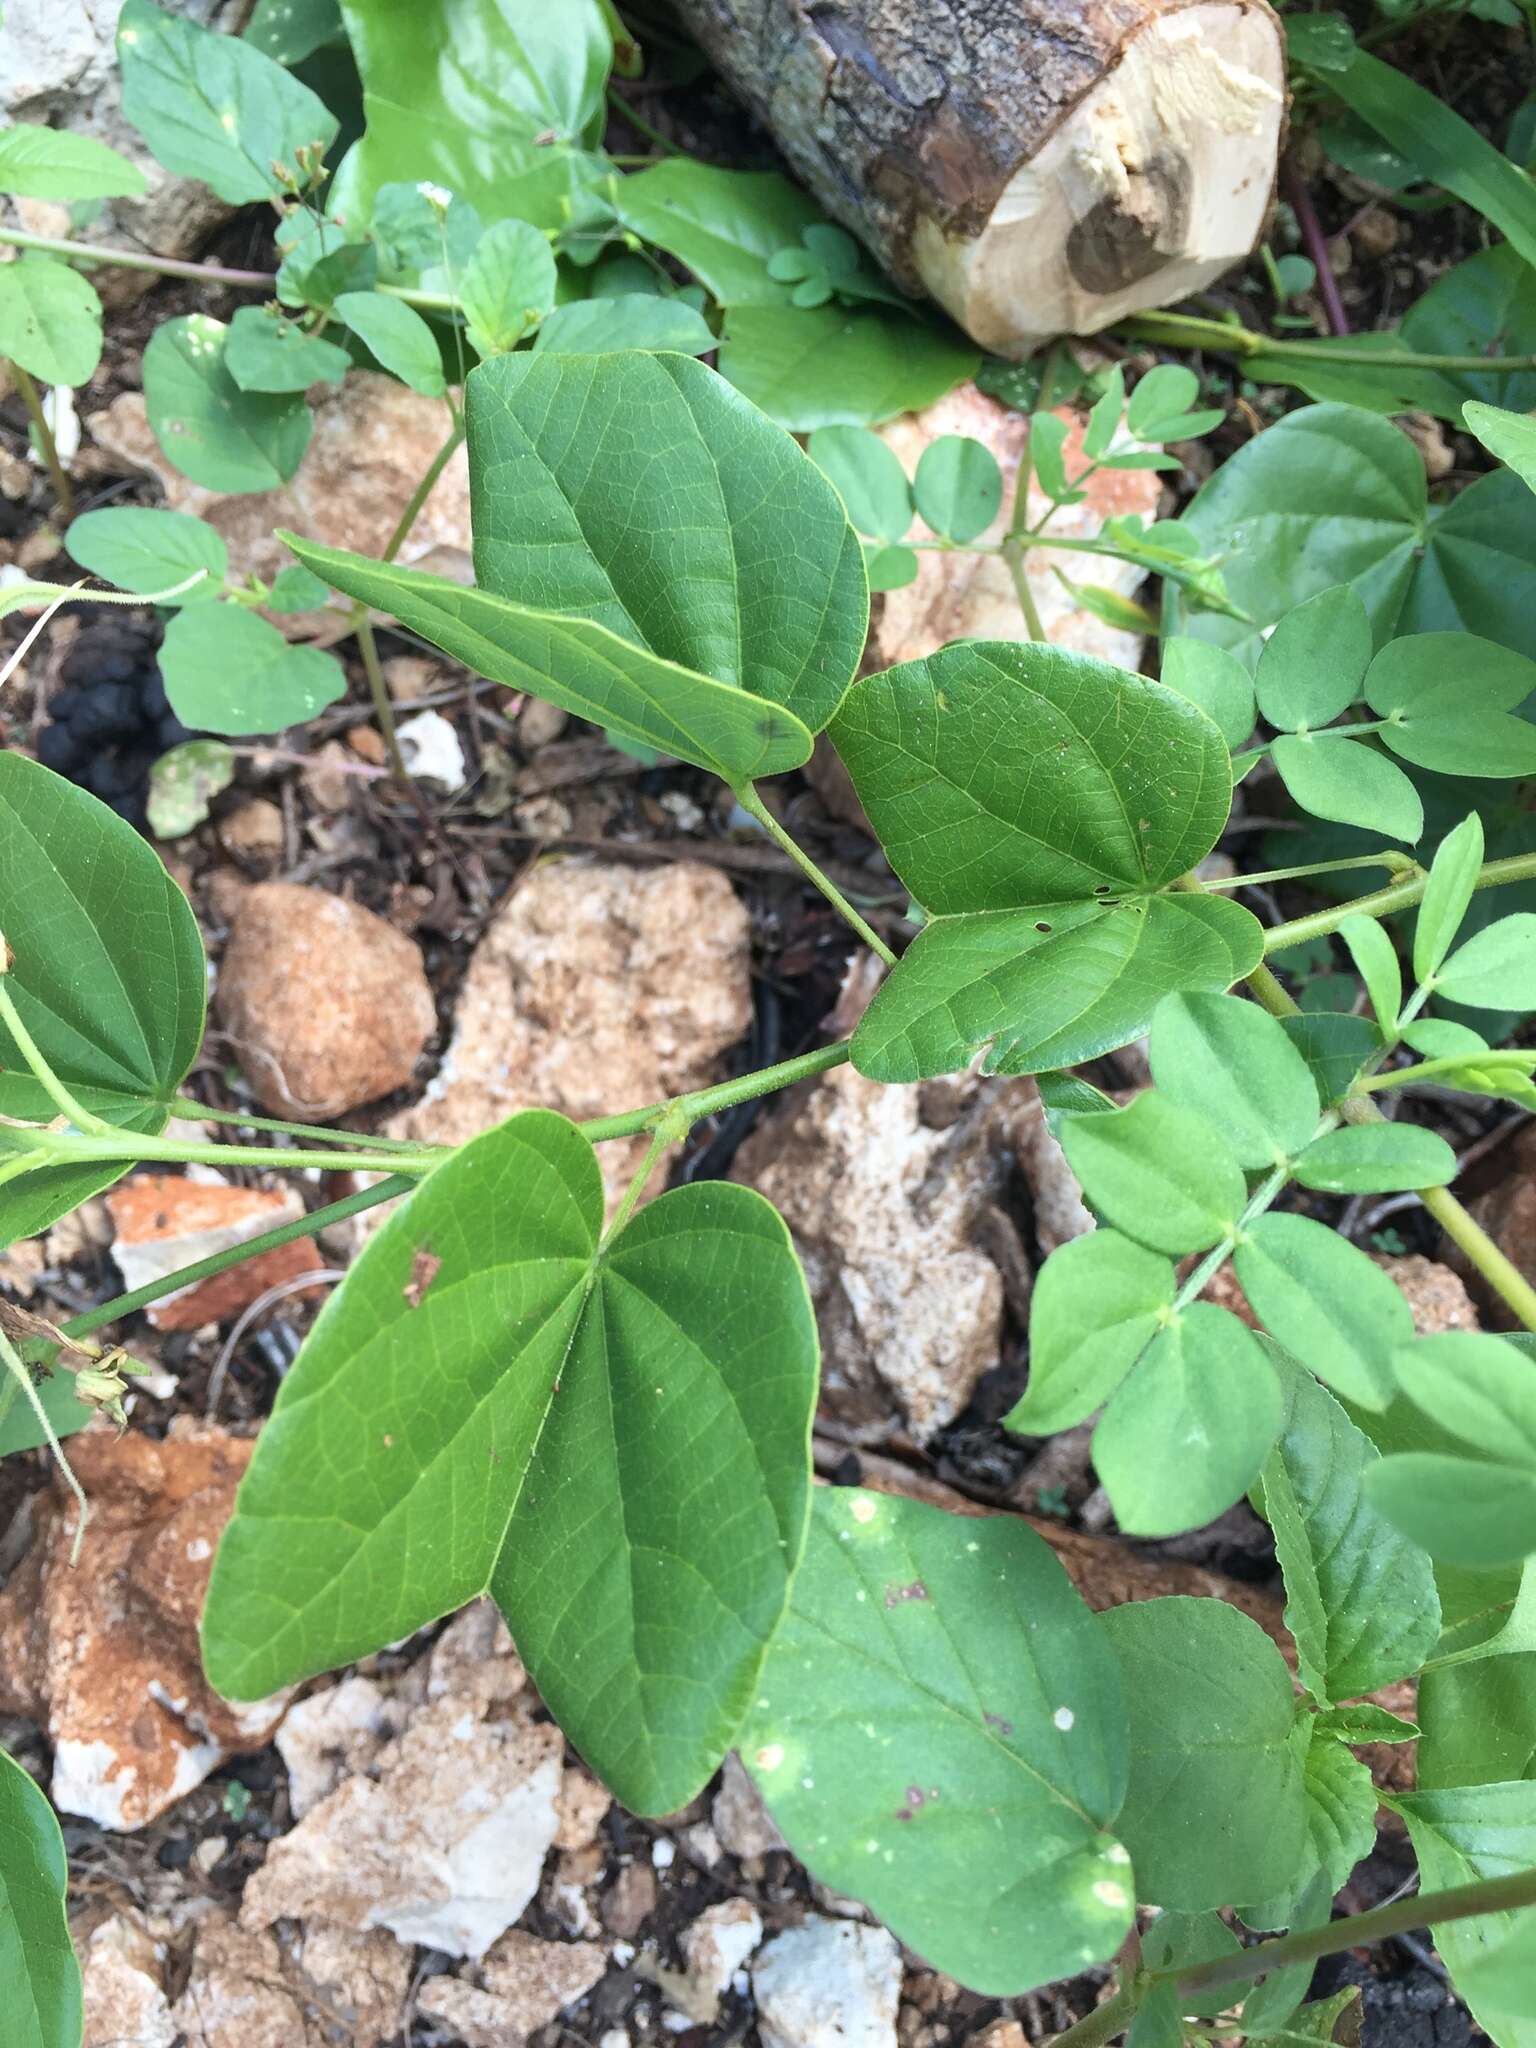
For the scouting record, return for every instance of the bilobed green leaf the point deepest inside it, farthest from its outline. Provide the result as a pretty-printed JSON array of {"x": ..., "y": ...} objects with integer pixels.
[
  {"x": 1496, "y": 968},
  {"x": 267, "y": 354},
  {"x": 612, "y": 1439},
  {"x": 835, "y": 365},
  {"x": 940, "y": 1730},
  {"x": 1215, "y": 680},
  {"x": 143, "y": 548},
  {"x": 1314, "y": 661},
  {"x": 599, "y": 326},
  {"x": 1511, "y": 436},
  {"x": 1448, "y": 699},
  {"x": 1361, "y": 1603},
  {"x": 1374, "y": 1159},
  {"x": 958, "y": 487},
  {"x": 641, "y": 493},
  {"x": 1459, "y": 1836},
  {"x": 1214, "y": 1811},
  {"x": 1233, "y": 1063},
  {"x": 726, "y": 226},
  {"x": 228, "y": 671},
  {"x": 1325, "y": 1302},
  {"x": 37, "y": 1960},
  {"x": 224, "y": 438},
  {"x": 1162, "y": 1174},
  {"x": 1448, "y": 892},
  {"x": 1348, "y": 781},
  {"x": 52, "y": 163},
  {"x": 582, "y": 667},
  {"x": 1188, "y": 1430},
  {"x": 215, "y": 107},
  {"x": 109, "y": 976},
  {"x": 508, "y": 285},
  {"x": 1374, "y": 954},
  {"x": 50, "y": 320},
  {"x": 397, "y": 337},
  {"x": 1096, "y": 1305},
  {"x": 865, "y": 473},
  {"x": 459, "y": 94}
]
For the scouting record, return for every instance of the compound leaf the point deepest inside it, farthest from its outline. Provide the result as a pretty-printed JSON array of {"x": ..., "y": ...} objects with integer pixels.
[
  {"x": 1448, "y": 700},
  {"x": 1314, "y": 661},
  {"x": 1097, "y": 1303},
  {"x": 1326, "y": 1303}
]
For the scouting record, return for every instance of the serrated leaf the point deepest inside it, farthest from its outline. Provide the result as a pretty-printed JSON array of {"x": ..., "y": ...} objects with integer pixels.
[
  {"x": 1187, "y": 1432},
  {"x": 1348, "y": 781},
  {"x": 266, "y": 354},
  {"x": 1097, "y": 1303},
  {"x": 599, "y": 325},
  {"x": 1214, "y": 1810},
  {"x": 508, "y": 285},
  {"x": 958, "y": 487},
  {"x": 1215, "y": 680},
  {"x": 37, "y": 1960},
  {"x": 215, "y": 107},
  {"x": 1459, "y": 1836},
  {"x": 397, "y": 337},
  {"x": 1374, "y": 1159},
  {"x": 1234, "y": 1064},
  {"x": 1325, "y": 1303},
  {"x": 109, "y": 976},
  {"x": 580, "y": 666},
  {"x": 1314, "y": 662},
  {"x": 223, "y": 438},
  {"x": 50, "y": 320},
  {"x": 1448, "y": 700},
  {"x": 940, "y": 1730},
  {"x": 228, "y": 671},
  {"x": 613, "y": 1439},
  {"x": 1160, "y": 1173},
  {"x": 641, "y": 493},
  {"x": 865, "y": 473},
  {"x": 1361, "y": 1603},
  {"x": 52, "y": 163},
  {"x": 143, "y": 548},
  {"x": 1447, "y": 894},
  {"x": 1496, "y": 968},
  {"x": 1341, "y": 1809},
  {"x": 1362, "y": 1721}
]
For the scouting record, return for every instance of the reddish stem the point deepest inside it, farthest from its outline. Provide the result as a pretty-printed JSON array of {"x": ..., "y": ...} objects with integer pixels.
[{"x": 1315, "y": 242}]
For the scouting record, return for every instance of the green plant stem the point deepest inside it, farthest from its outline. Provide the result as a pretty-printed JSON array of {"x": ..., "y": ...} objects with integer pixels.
[
  {"x": 47, "y": 447},
  {"x": 1014, "y": 554},
  {"x": 189, "y": 1105},
  {"x": 55, "y": 1148},
  {"x": 83, "y": 1119},
  {"x": 1388, "y": 859},
  {"x": 378, "y": 690},
  {"x": 724, "y": 1095},
  {"x": 750, "y": 801},
  {"x": 1402, "y": 1916},
  {"x": 1520, "y": 867},
  {"x": 422, "y": 492},
  {"x": 671, "y": 1133},
  {"x": 1518, "y": 1062},
  {"x": 1184, "y": 330},
  {"x": 235, "y": 1255},
  {"x": 1104, "y": 2022}
]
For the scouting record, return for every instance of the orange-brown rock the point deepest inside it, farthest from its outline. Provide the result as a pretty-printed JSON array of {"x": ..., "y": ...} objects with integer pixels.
[
  {"x": 327, "y": 1006},
  {"x": 163, "y": 1221},
  {"x": 105, "y": 1655}
]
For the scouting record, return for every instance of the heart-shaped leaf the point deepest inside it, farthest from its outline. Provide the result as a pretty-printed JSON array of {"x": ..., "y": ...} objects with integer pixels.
[
  {"x": 222, "y": 437},
  {"x": 940, "y": 1731},
  {"x": 1037, "y": 804},
  {"x": 145, "y": 549},
  {"x": 612, "y": 1438},
  {"x": 37, "y": 1961},
  {"x": 108, "y": 976},
  {"x": 640, "y": 492},
  {"x": 228, "y": 671},
  {"x": 50, "y": 320}
]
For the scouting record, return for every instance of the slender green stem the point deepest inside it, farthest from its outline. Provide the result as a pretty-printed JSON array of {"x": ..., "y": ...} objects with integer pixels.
[
  {"x": 1393, "y": 862},
  {"x": 1518, "y": 1062},
  {"x": 1184, "y": 330},
  {"x": 188, "y": 1105},
  {"x": 1519, "y": 867},
  {"x": 83, "y": 1119},
  {"x": 1402, "y": 1916},
  {"x": 65, "y": 1147},
  {"x": 47, "y": 446},
  {"x": 1014, "y": 554},
  {"x": 235, "y": 1255},
  {"x": 724, "y": 1095},
  {"x": 749, "y": 800},
  {"x": 378, "y": 690},
  {"x": 423, "y": 491},
  {"x": 670, "y": 1133},
  {"x": 1104, "y": 2022}
]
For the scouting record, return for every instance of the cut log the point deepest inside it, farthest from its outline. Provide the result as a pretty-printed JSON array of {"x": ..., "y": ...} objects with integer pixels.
[{"x": 1041, "y": 167}]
